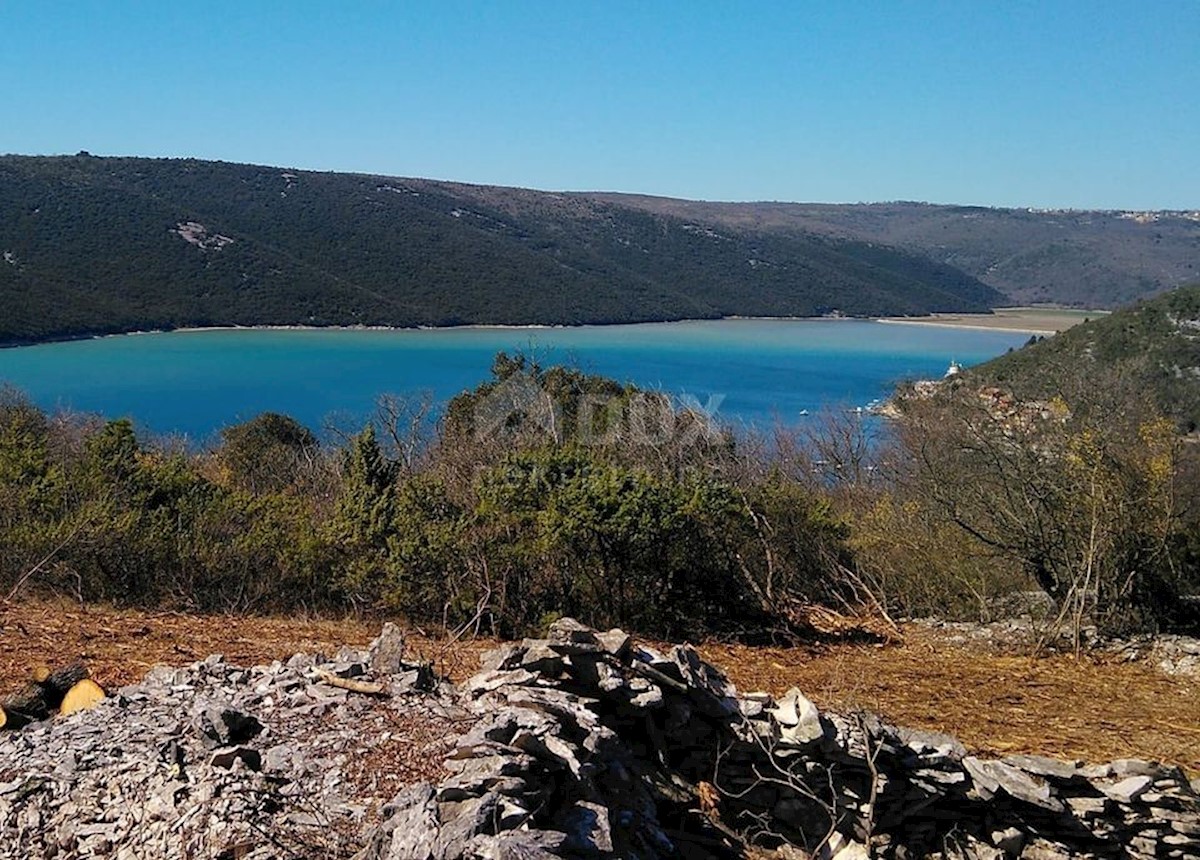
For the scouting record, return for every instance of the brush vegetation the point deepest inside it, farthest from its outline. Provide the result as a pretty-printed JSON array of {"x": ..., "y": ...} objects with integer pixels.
[
  {"x": 547, "y": 491},
  {"x": 1154, "y": 343}
]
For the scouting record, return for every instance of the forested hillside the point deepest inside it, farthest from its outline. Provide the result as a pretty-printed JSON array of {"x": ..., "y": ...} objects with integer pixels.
[
  {"x": 1153, "y": 345},
  {"x": 1090, "y": 259},
  {"x": 95, "y": 245}
]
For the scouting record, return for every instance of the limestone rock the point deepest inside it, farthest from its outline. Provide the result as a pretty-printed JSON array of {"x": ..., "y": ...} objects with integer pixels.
[
  {"x": 578, "y": 745},
  {"x": 386, "y": 652},
  {"x": 798, "y": 718}
]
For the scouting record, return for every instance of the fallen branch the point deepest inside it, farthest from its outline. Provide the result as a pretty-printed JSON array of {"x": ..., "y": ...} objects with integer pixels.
[
  {"x": 365, "y": 687},
  {"x": 45, "y": 560}
]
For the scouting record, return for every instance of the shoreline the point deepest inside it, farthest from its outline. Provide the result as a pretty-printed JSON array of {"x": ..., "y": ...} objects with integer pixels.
[
  {"x": 1021, "y": 319},
  {"x": 958, "y": 323},
  {"x": 412, "y": 328},
  {"x": 966, "y": 325}
]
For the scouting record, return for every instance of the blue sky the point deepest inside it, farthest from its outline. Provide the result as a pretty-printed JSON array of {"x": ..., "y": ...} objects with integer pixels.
[{"x": 1083, "y": 104}]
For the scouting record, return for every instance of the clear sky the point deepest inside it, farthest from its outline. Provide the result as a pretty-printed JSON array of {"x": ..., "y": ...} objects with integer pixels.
[{"x": 1083, "y": 104}]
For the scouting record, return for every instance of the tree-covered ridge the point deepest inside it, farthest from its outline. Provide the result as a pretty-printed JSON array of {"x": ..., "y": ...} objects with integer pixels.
[
  {"x": 98, "y": 245},
  {"x": 1081, "y": 258},
  {"x": 1155, "y": 343}
]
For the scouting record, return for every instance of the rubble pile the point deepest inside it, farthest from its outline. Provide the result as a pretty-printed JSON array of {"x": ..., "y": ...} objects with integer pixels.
[
  {"x": 590, "y": 746},
  {"x": 582, "y": 745},
  {"x": 216, "y": 761}
]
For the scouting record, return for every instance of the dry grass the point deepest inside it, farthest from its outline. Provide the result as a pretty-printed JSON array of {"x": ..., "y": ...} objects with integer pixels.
[
  {"x": 121, "y": 645},
  {"x": 1091, "y": 708}
]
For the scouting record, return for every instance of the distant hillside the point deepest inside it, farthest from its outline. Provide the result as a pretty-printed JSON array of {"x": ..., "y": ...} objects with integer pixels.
[
  {"x": 1095, "y": 259},
  {"x": 94, "y": 245},
  {"x": 1158, "y": 341}
]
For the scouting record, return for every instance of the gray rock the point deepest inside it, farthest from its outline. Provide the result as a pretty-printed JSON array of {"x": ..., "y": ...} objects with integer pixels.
[
  {"x": 541, "y": 659},
  {"x": 409, "y": 829},
  {"x": 992, "y": 776},
  {"x": 418, "y": 679},
  {"x": 1128, "y": 789},
  {"x": 798, "y": 718},
  {"x": 386, "y": 653},
  {"x": 1010, "y": 840},
  {"x": 494, "y": 680},
  {"x": 578, "y": 638},
  {"x": 517, "y": 845},
  {"x": 463, "y": 820},
  {"x": 615, "y": 642},
  {"x": 1042, "y": 766},
  {"x": 505, "y": 657},
  {"x": 355, "y": 669},
  {"x": 942, "y": 746},
  {"x": 226, "y": 757},
  {"x": 221, "y": 724}
]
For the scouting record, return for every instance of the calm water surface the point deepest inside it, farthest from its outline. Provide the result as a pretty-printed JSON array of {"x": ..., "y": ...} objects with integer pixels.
[{"x": 197, "y": 382}]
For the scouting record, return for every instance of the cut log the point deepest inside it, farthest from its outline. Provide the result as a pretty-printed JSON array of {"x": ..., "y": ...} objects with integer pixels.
[
  {"x": 39, "y": 699},
  {"x": 84, "y": 695},
  {"x": 39, "y": 673}
]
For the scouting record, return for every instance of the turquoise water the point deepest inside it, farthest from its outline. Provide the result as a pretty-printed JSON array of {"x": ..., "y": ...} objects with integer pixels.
[{"x": 758, "y": 370}]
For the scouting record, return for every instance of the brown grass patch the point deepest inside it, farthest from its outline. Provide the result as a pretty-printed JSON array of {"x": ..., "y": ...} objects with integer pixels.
[
  {"x": 121, "y": 645},
  {"x": 1091, "y": 708}
]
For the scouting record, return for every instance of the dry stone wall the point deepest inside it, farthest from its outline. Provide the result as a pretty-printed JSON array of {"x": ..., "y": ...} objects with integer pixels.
[{"x": 590, "y": 746}]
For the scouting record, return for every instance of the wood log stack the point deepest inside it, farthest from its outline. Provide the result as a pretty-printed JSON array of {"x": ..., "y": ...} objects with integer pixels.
[{"x": 63, "y": 691}]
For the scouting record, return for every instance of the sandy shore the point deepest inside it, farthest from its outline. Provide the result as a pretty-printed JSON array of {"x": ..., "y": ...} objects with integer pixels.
[{"x": 1044, "y": 321}]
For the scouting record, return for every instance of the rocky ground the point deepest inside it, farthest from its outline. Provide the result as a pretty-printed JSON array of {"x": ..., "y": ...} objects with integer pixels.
[
  {"x": 217, "y": 760},
  {"x": 584, "y": 744},
  {"x": 975, "y": 682}
]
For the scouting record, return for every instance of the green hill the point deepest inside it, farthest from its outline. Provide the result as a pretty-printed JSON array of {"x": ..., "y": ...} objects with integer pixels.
[
  {"x": 1155, "y": 342},
  {"x": 1080, "y": 258},
  {"x": 98, "y": 245}
]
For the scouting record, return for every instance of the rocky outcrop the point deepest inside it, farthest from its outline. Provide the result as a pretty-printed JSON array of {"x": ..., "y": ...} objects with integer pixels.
[{"x": 583, "y": 744}]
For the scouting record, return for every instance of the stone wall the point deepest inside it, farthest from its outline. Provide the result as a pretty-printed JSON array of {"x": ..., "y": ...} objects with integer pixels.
[{"x": 590, "y": 746}]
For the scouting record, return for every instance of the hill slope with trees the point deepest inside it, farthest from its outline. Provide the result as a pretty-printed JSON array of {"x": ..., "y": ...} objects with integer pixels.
[
  {"x": 1089, "y": 259},
  {"x": 1153, "y": 346},
  {"x": 99, "y": 245}
]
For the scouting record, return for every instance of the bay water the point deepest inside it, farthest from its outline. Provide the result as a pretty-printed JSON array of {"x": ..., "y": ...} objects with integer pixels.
[{"x": 749, "y": 372}]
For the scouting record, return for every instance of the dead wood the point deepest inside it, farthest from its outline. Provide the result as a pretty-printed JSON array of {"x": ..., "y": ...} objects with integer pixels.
[
  {"x": 365, "y": 687},
  {"x": 39, "y": 699},
  {"x": 84, "y": 695}
]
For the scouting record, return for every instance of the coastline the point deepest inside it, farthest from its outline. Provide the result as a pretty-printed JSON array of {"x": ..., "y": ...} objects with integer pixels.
[
  {"x": 390, "y": 328},
  {"x": 950, "y": 321},
  {"x": 964, "y": 325},
  {"x": 1023, "y": 319}
]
